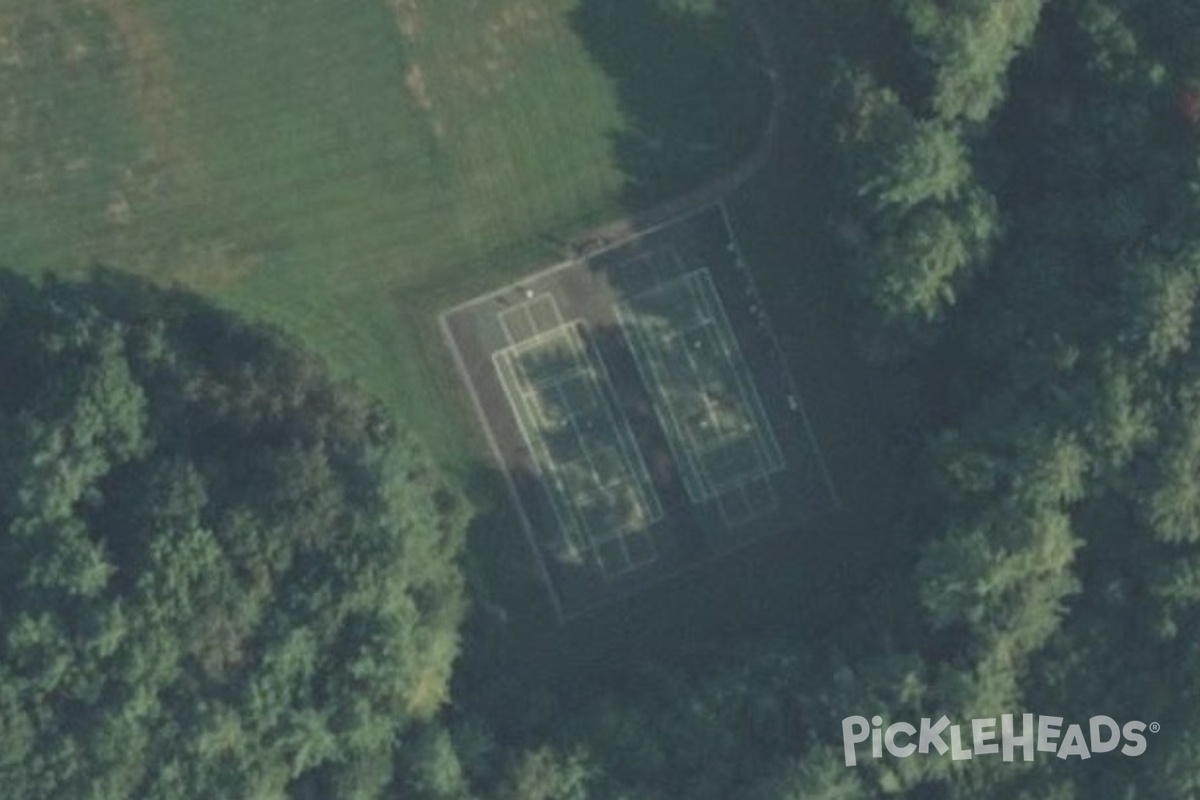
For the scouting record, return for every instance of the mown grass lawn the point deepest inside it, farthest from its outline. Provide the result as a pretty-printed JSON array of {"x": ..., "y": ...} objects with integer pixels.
[
  {"x": 347, "y": 170},
  {"x": 342, "y": 169}
]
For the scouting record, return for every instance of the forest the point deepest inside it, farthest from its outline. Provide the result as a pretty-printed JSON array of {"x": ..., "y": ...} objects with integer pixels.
[{"x": 223, "y": 574}]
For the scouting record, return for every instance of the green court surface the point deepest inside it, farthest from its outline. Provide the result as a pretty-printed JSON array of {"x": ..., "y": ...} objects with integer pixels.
[
  {"x": 640, "y": 413},
  {"x": 704, "y": 395},
  {"x": 599, "y": 488}
]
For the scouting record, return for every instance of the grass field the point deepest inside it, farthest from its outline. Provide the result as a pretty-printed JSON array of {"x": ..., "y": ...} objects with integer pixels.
[
  {"x": 342, "y": 169},
  {"x": 350, "y": 169}
]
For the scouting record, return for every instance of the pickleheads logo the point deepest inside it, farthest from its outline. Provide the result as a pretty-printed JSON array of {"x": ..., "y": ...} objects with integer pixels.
[{"x": 1043, "y": 734}]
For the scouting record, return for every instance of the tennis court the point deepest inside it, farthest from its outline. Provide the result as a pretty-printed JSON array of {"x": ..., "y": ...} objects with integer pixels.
[
  {"x": 639, "y": 409},
  {"x": 598, "y": 486},
  {"x": 703, "y": 393}
]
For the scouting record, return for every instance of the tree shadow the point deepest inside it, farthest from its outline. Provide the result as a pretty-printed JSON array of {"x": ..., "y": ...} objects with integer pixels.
[
  {"x": 696, "y": 91},
  {"x": 692, "y": 84}
]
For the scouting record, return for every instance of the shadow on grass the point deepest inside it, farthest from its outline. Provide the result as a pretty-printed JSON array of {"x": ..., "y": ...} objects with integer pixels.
[{"x": 692, "y": 85}]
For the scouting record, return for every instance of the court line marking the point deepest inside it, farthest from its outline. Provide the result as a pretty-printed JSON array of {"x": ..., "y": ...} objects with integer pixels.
[
  {"x": 567, "y": 504},
  {"x": 789, "y": 380},
  {"x": 711, "y": 323},
  {"x": 526, "y": 524}
]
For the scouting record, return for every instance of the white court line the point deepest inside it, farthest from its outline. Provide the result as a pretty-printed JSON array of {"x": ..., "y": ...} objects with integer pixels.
[
  {"x": 497, "y": 453},
  {"x": 635, "y": 236},
  {"x": 537, "y": 447},
  {"x": 631, "y": 455},
  {"x": 787, "y": 375},
  {"x": 505, "y": 316},
  {"x": 634, "y": 465},
  {"x": 648, "y": 505},
  {"x": 648, "y": 367},
  {"x": 717, "y": 332},
  {"x": 713, "y": 420},
  {"x": 529, "y": 318},
  {"x": 773, "y": 461},
  {"x": 568, "y": 502},
  {"x": 543, "y": 300}
]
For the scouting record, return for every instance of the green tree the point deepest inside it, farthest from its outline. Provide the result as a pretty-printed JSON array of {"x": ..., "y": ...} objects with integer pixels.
[
  {"x": 547, "y": 774},
  {"x": 915, "y": 223},
  {"x": 823, "y": 776},
  {"x": 969, "y": 45},
  {"x": 223, "y": 575},
  {"x": 917, "y": 268}
]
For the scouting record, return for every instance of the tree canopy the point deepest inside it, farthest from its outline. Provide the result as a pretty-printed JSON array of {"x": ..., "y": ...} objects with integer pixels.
[
  {"x": 1015, "y": 223},
  {"x": 223, "y": 575}
]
